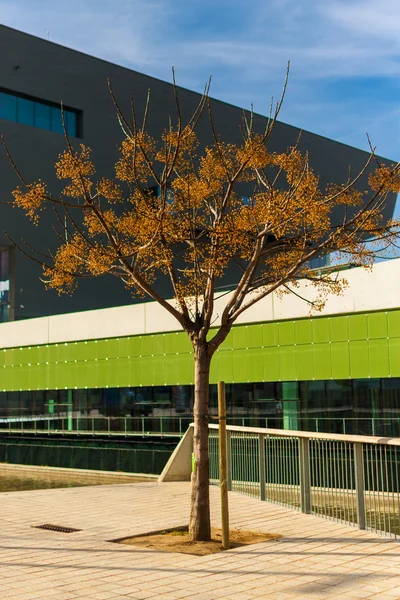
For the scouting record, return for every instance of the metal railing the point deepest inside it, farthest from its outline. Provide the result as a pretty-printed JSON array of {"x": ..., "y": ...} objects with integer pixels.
[
  {"x": 99, "y": 425},
  {"x": 348, "y": 478},
  {"x": 177, "y": 424}
]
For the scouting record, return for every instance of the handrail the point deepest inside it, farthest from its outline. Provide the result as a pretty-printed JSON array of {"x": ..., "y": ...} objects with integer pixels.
[
  {"x": 354, "y": 479},
  {"x": 340, "y": 437}
]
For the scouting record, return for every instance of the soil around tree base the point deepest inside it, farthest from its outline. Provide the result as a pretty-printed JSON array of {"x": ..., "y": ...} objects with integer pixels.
[{"x": 178, "y": 540}]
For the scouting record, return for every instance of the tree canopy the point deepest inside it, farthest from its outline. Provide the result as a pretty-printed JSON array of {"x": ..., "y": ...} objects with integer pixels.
[{"x": 178, "y": 210}]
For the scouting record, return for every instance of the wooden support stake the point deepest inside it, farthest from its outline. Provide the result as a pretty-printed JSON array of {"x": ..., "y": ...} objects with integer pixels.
[{"x": 223, "y": 471}]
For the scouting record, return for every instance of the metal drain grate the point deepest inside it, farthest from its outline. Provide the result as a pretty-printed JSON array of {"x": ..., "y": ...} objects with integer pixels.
[{"x": 59, "y": 528}]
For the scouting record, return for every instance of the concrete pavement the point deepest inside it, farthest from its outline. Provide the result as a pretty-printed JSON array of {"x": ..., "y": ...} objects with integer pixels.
[{"x": 315, "y": 558}]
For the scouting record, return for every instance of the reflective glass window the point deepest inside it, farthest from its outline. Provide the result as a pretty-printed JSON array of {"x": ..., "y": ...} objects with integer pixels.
[
  {"x": 25, "y": 111},
  {"x": 42, "y": 115},
  {"x": 71, "y": 122},
  {"x": 8, "y": 107},
  {"x": 56, "y": 121},
  {"x": 37, "y": 113}
]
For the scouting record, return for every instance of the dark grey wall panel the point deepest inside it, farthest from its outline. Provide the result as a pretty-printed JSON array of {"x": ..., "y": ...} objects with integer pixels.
[{"x": 44, "y": 70}]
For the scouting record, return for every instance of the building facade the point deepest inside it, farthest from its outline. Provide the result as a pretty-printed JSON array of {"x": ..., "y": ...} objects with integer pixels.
[
  {"x": 131, "y": 368},
  {"x": 102, "y": 362},
  {"x": 35, "y": 76}
]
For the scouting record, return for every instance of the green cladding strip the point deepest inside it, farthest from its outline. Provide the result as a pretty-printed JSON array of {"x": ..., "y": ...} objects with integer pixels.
[{"x": 339, "y": 347}]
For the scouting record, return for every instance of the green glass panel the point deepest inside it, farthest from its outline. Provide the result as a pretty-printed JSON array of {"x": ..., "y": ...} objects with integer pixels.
[
  {"x": 172, "y": 369},
  {"x": 214, "y": 367},
  {"x": 2, "y": 359},
  {"x": 61, "y": 352},
  {"x": 271, "y": 363},
  {"x": 9, "y": 360},
  {"x": 305, "y": 362},
  {"x": 321, "y": 330},
  {"x": 79, "y": 351},
  {"x": 103, "y": 349},
  {"x": 70, "y": 371},
  {"x": 101, "y": 373},
  {"x": 137, "y": 368},
  {"x": 186, "y": 369},
  {"x": 240, "y": 337},
  {"x": 379, "y": 358},
  {"x": 147, "y": 345},
  {"x": 159, "y": 368},
  {"x": 135, "y": 346},
  {"x": 359, "y": 359},
  {"x": 33, "y": 355},
  {"x": 255, "y": 336},
  {"x": 111, "y": 373},
  {"x": 112, "y": 347},
  {"x": 184, "y": 343},
  {"x": 255, "y": 364},
  {"x": 52, "y": 377},
  {"x": 4, "y": 379},
  {"x": 69, "y": 351},
  {"x": 270, "y": 334},
  {"x": 23, "y": 356},
  {"x": 303, "y": 331},
  {"x": 240, "y": 372},
  {"x": 227, "y": 344},
  {"x": 322, "y": 361},
  {"x": 393, "y": 319},
  {"x": 394, "y": 357},
  {"x": 358, "y": 327},
  {"x": 80, "y": 375},
  {"x": 339, "y": 329},
  {"x": 287, "y": 357},
  {"x": 340, "y": 360},
  {"x": 377, "y": 325},
  {"x": 286, "y": 333},
  {"x": 91, "y": 350},
  {"x": 144, "y": 372},
  {"x": 34, "y": 378},
  {"x": 123, "y": 366},
  {"x": 125, "y": 347},
  {"x": 226, "y": 366},
  {"x": 163, "y": 344}
]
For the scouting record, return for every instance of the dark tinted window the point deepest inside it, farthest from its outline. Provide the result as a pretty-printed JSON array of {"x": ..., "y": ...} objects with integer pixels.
[
  {"x": 37, "y": 114},
  {"x": 25, "y": 111},
  {"x": 8, "y": 107},
  {"x": 42, "y": 116}
]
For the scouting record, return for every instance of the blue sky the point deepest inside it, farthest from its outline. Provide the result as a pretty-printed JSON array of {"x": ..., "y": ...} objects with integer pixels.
[{"x": 345, "y": 54}]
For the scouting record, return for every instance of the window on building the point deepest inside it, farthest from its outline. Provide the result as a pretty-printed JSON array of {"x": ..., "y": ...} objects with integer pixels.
[
  {"x": 37, "y": 113},
  {"x": 4, "y": 284}
]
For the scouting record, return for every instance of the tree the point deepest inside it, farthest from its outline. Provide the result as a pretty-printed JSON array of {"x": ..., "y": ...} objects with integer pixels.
[{"x": 174, "y": 209}]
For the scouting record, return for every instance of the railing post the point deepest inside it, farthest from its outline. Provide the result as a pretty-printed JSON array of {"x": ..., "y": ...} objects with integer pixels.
[
  {"x": 359, "y": 480},
  {"x": 229, "y": 459},
  {"x": 261, "y": 463},
  {"x": 304, "y": 470},
  {"x": 223, "y": 465}
]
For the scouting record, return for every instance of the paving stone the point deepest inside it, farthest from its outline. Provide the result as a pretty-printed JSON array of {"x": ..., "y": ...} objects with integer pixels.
[{"x": 315, "y": 558}]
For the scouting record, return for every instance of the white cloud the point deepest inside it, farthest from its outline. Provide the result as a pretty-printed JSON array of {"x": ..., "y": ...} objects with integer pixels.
[{"x": 245, "y": 46}]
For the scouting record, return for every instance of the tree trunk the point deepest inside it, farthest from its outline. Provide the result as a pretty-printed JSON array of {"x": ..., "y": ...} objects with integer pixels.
[{"x": 199, "y": 524}]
